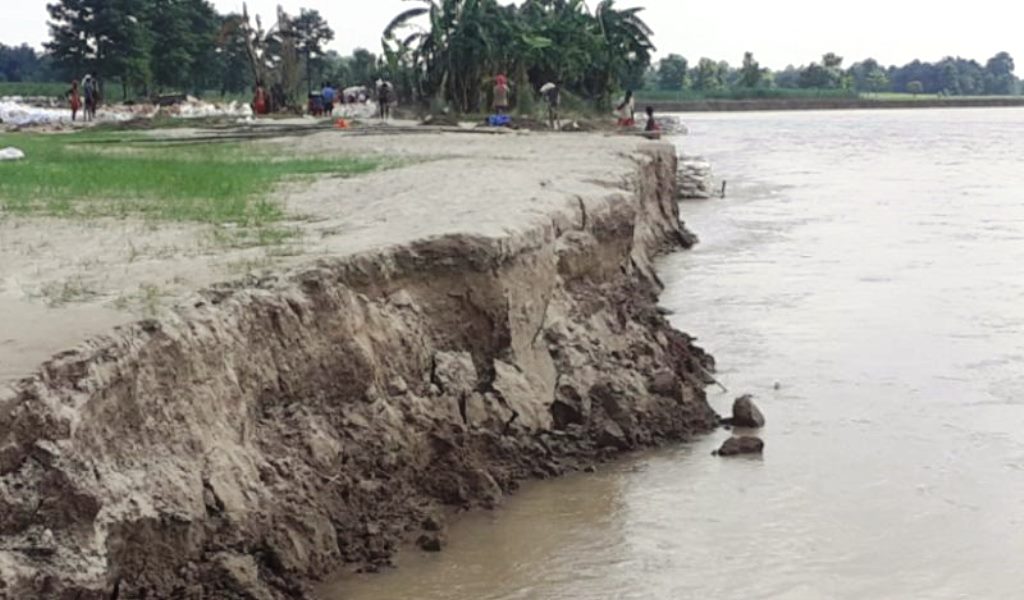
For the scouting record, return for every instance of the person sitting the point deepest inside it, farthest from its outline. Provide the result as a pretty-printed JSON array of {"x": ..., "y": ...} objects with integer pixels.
[
  {"x": 316, "y": 104},
  {"x": 652, "y": 130}
]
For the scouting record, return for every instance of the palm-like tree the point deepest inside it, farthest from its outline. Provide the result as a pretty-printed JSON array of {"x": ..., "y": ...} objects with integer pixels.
[{"x": 454, "y": 47}]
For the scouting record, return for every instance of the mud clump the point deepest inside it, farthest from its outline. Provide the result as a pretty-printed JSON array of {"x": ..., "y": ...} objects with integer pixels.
[
  {"x": 745, "y": 414},
  {"x": 739, "y": 446},
  {"x": 262, "y": 438}
]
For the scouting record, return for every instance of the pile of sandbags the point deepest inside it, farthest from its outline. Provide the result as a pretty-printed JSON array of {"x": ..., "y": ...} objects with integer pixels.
[
  {"x": 696, "y": 181},
  {"x": 193, "y": 108},
  {"x": 23, "y": 115}
]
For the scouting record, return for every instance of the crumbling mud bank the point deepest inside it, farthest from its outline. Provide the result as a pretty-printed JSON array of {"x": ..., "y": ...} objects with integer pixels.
[{"x": 265, "y": 436}]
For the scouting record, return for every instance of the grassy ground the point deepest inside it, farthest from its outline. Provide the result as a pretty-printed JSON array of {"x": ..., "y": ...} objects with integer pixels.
[
  {"x": 740, "y": 94},
  {"x": 80, "y": 176},
  {"x": 51, "y": 89},
  {"x": 791, "y": 94},
  {"x": 914, "y": 97}
]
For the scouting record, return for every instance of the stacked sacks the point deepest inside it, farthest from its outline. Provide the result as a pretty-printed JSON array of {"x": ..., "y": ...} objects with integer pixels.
[{"x": 695, "y": 178}]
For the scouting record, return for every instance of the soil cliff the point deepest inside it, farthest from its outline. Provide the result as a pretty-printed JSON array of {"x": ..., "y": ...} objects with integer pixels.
[{"x": 266, "y": 435}]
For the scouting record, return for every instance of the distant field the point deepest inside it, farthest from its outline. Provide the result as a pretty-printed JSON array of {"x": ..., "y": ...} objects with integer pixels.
[
  {"x": 799, "y": 94},
  {"x": 930, "y": 97},
  {"x": 741, "y": 94},
  {"x": 53, "y": 89}
]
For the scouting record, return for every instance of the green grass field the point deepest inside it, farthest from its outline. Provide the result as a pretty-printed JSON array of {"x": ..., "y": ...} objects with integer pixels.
[
  {"x": 794, "y": 94},
  {"x": 740, "y": 94},
  {"x": 49, "y": 89},
  {"x": 86, "y": 175}
]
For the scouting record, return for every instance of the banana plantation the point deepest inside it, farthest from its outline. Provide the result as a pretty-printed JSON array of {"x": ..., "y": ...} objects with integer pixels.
[{"x": 449, "y": 51}]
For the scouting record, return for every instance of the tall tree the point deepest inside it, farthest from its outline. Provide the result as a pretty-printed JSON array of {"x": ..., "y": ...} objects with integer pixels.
[
  {"x": 172, "y": 44},
  {"x": 312, "y": 32},
  {"x": 72, "y": 38},
  {"x": 751, "y": 74},
  {"x": 876, "y": 81},
  {"x": 123, "y": 42},
  {"x": 708, "y": 76},
  {"x": 232, "y": 60},
  {"x": 110, "y": 37},
  {"x": 999, "y": 77},
  {"x": 672, "y": 73}
]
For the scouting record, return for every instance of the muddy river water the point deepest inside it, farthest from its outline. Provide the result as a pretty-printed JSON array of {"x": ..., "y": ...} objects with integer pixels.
[{"x": 872, "y": 265}]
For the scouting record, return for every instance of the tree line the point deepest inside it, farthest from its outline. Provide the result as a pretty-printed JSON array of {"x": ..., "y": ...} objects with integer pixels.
[
  {"x": 154, "y": 46},
  {"x": 949, "y": 76},
  {"x": 440, "y": 51}
]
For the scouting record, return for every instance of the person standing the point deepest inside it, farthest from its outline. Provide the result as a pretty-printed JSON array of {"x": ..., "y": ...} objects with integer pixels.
[
  {"x": 97, "y": 94},
  {"x": 551, "y": 92},
  {"x": 501, "y": 94},
  {"x": 259, "y": 100},
  {"x": 627, "y": 110},
  {"x": 74, "y": 99},
  {"x": 385, "y": 97},
  {"x": 89, "y": 91},
  {"x": 328, "y": 96}
]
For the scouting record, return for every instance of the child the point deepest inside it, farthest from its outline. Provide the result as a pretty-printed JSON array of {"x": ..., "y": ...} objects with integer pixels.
[
  {"x": 74, "y": 99},
  {"x": 652, "y": 130}
]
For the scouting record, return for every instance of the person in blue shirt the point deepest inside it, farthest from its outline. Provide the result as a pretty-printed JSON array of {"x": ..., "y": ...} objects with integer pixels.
[{"x": 327, "y": 97}]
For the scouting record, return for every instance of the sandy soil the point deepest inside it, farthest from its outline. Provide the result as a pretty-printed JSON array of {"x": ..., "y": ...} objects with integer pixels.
[{"x": 63, "y": 281}]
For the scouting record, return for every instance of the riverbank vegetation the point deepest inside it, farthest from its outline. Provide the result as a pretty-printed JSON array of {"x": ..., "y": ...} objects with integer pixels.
[{"x": 674, "y": 79}]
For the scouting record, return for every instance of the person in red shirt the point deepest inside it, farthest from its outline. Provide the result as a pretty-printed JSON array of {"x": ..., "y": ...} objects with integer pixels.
[
  {"x": 74, "y": 99},
  {"x": 259, "y": 102}
]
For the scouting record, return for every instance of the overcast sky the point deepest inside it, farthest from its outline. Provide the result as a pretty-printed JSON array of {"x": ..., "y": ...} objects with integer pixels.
[{"x": 779, "y": 32}]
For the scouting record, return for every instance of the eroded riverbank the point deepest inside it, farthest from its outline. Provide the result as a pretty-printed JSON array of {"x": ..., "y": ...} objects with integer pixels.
[{"x": 493, "y": 319}]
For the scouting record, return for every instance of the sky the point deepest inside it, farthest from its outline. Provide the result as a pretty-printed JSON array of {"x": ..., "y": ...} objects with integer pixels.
[{"x": 779, "y": 33}]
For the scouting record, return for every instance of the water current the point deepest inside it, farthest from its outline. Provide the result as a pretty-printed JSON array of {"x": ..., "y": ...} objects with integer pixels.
[{"x": 871, "y": 264}]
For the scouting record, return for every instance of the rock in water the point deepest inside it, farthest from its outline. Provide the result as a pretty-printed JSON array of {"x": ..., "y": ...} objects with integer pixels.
[
  {"x": 746, "y": 414},
  {"x": 431, "y": 542},
  {"x": 738, "y": 446}
]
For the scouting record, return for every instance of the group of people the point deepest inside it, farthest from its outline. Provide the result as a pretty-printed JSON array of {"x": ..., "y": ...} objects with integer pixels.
[
  {"x": 626, "y": 112},
  {"x": 85, "y": 97},
  {"x": 551, "y": 92},
  {"x": 323, "y": 101}
]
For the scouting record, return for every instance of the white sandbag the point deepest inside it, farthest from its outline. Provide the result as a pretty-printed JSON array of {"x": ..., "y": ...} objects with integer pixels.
[{"x": 11, "y": 154}]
